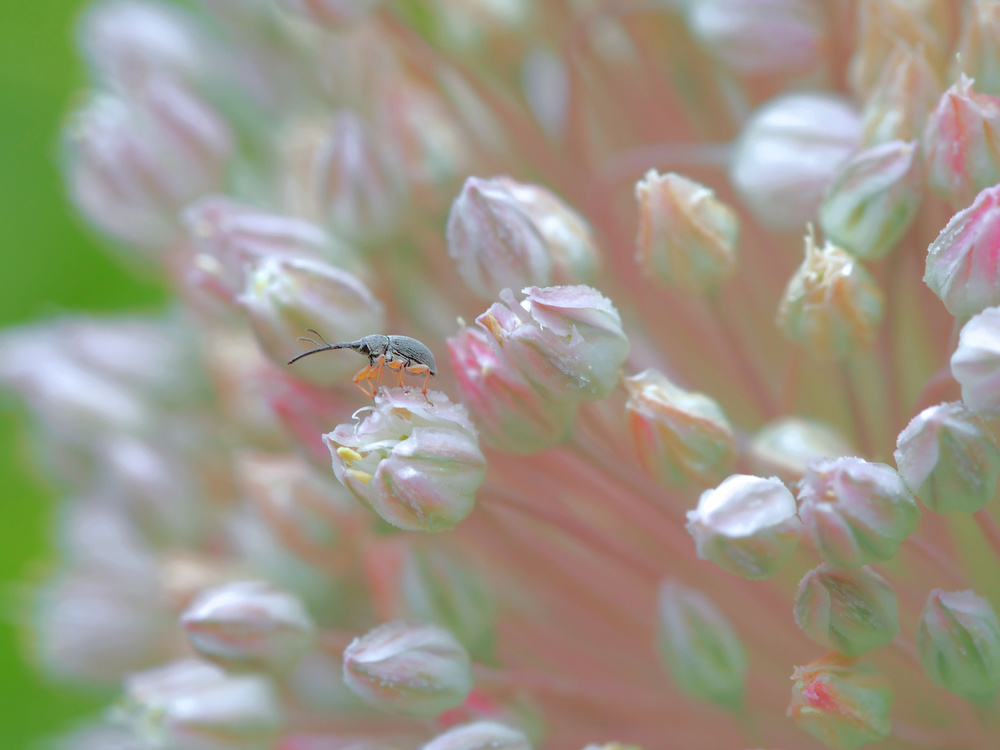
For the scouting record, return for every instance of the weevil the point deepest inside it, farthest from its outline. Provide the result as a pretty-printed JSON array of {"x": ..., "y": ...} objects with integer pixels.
[{"x": 399, "y": 353}]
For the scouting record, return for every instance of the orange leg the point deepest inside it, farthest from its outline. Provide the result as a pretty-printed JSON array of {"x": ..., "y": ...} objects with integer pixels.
[
  {"x": 421, "y": 370},
  {"x": 381, "y": 364},
  {"x": 365, "y": 373},
  {"x": 398, "y": 366}
]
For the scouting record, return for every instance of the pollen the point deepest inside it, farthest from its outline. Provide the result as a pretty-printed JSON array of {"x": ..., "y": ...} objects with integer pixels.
[{"x": 350, "y": 456}]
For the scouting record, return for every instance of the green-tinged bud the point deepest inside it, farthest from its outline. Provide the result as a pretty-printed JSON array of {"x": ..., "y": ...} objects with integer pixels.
[
  {"x": 747, "y": 525},
  {"x": 681, "y": 437},
  {"x": 975, "y": 363},
  {"x": 480, "y": 735},
  {"x": 687, "y": 237},
  {"x": 841, "y": 703},
  {"x": 413, "y": 460},
  {"x": 700, "y": 647},
  {"x": 831, "y": 306},
  {"x": 408, "y": 669},
  {"x": 249, "y": 625},
  {"x": 850, "y": 610},
  {"x": 948, "y": 459},
  {"x": 907, "y": 91},
  {"x": 958, "y": 638},
  {"x": 784, "y": 447},
  {"x": 978, "y": 54},
  {"x": 873, "y": 199},
  {"x": 856, "y": 512}
]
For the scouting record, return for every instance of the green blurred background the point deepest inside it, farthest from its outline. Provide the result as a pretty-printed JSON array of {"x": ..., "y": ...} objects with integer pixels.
[{"x": 52, "y": 265}]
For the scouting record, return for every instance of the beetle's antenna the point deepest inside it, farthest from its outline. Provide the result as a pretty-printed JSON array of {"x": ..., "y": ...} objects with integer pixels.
[{"x": 317, "y": 333}]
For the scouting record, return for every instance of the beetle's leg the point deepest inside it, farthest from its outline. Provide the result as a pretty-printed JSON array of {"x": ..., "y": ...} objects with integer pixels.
[
  {"x": 398, "y": 365},
  {"x": 421, "y": 370},
  {"x": 365, "y": 373},
  {"x": 377, "y": 372}
]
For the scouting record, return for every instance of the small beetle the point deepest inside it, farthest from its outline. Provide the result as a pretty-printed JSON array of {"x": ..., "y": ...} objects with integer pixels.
[{"x": 399, "y": 353}]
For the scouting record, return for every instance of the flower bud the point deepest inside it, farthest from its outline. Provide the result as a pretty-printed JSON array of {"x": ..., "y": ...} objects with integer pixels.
[
  {"x": 285, "y": 296},
  {"x": 831, "y": 306},
  {"x": 480, "y": 735},
  {"x": 249, "y": 625},
  {"x": 975, "y": 364},
  {"x": 414, "y": 670},
  {"x": 962, "y": 264},
  {"x": 680, "y": 436},
  {"x": 510, "y": 414},
  {"x": 948, "y": 459},
  {"x": 785, "y": 446},
  {"x": 978, "y": 52},
  {"x": 415, "y": 462},
  {"x": 687, "y": 237},
  {"x": 789, "y": 152},
  {"x": 747, "y": 526},
  {"x": 741, "y": 33},
  {"x": 840, "y": 702},
  {"x": 700, "y": 648},
  {"x": 958, "y": 638},
  {"x": 960, "y": 143},
  {"x": 856, "y": 512},
  {"x": 850, "y": 610},
  {"x": 907, "y": 91},
  {"x": 332, "y": 13},
  {"x": 567, "y": 341},
  {"x": 872, "y": 201}
]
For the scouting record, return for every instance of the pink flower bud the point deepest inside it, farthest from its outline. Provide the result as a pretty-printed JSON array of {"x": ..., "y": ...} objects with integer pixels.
[
  {"x": 414, "y": 670},
  {"x": 415, "y": 463},
  {"x": 789, "y": 152},
  {"x": 958, "y": 638},
  {"x": 480, "y": 735},
  {"x": 856, "y": 512},
  {"x": 975, "y": 364},
  {"x": 949, "y": 459},
  {"x": 840, "y": 702},
  {"x": 850, "y": 610},
  {"x": 962, "y": 265},
  {"x": 785, "y": 446},
  {"x": 831, "y": 306},
  {"x": 906, "y": 92},
  {"x": 567, "y": 341},
  {"x": 249, "y": 625},
  {"x": 961, "y": 142},
  {"x": 873, "y": 199},
  {"x": 510, "y": 414},
  {"x": 687, "y": 237},
  {"x": 700, "y": 648},
  {"x": 680, "y": 436},
  {"x": 332, "y": 13},
  {"x": 978, "y": 52},
  {"x": 747, "y": 526}
]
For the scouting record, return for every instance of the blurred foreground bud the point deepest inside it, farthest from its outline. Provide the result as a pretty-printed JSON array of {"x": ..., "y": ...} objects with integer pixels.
[
  {"x": 510, "y": 414},
  {"x": 249, "y": 625},
  {"x": 680, "y": 436},
  {"x": 789, "y": 152},
  {"x": 831, "y": 306},
  {"x": 700, "y": 648},
  {"x": 874, "y": 198},
  {"x": 949, "y": 459},
  {"x": 978, "y": 52},
  {"x": 747, "y": 526},
  {"x": 856, "y": 512},
  {"x": 907, "y": 91},
  {"x": 687, "y": 237},
  {"x": 567, "y": 341},
  {"x": 417, "y": 464},
  {"x": 975, "y": 363},
  {"x": 962, "y": 264},
  {"x": 332, "y": 13},
  {"x": 408, "y": 669},
  {"x": 958, "y": 638},
  {"x": 841, "y": 703},
  {"x": 480, "y": 735},
  {"x": 785, "y": 446},
  {"x": 850, "y": 610}
]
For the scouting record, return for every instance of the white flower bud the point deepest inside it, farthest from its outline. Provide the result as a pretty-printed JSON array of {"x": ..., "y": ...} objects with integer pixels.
[
  {"x": 976, "y": 362},
  {"x": 480, "y": 735},
  {"x": 958, "y": 638}
]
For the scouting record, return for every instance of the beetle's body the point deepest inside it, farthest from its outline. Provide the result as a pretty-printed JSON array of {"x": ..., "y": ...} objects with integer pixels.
[{"x": 399, "y": 353}]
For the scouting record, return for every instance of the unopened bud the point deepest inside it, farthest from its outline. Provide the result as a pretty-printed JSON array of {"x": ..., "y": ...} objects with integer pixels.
[
  {"x": 873, "y": 200},
  {"x": 249, "y": 625},
  {"x": 681, "y": 437},
  {"x": 415, "y": 462},
  {"x": 978, "y": 53},
  {"x": 567, "y": 341},
  {"x": 413, "y": 670},
  {"x": 332, "y": 13},
  {"x": 958, "y": 638},
  {"x": 789, "y": 152},
  {"x": 700, "y": 648},
  {"x": 747, "y": 526},
  {"x": 962, "y": 263},
  {"x": 949, "y": 459},
  {"x": 907, "y": 91},
  {"x": 785, "y": 446},
  {"x": 975, "y": 364},
  {"x": 850, "y": 610},
  {"x": 856, "y": 512},
  {"x": 687, "y": 237},
  {"x": 831, "y": 306},
  {"x": 840, "y": 702},
  {"x": 480, "y": 735}
]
